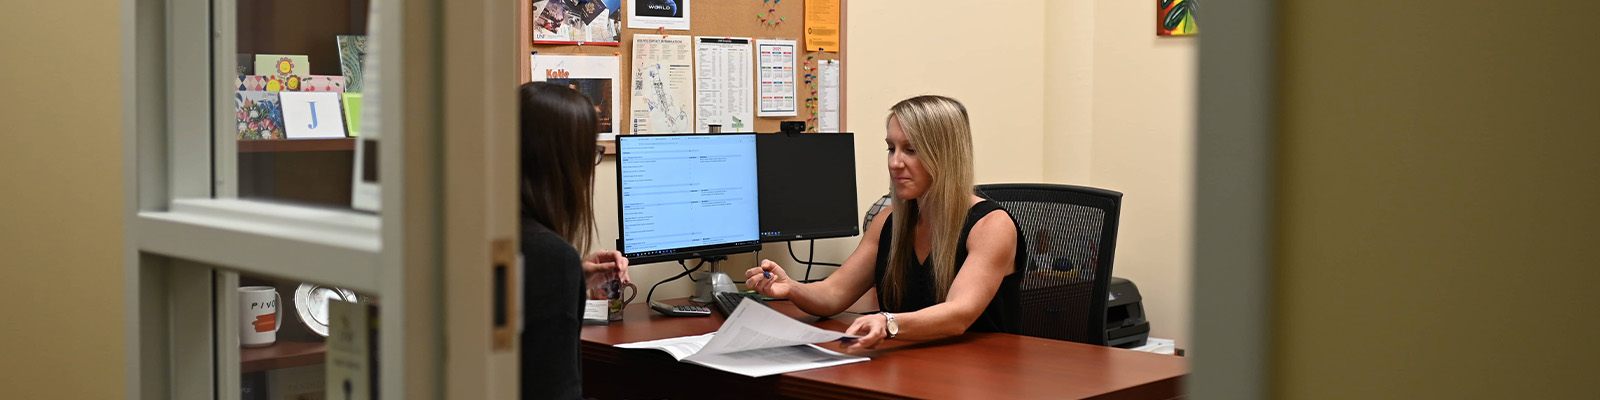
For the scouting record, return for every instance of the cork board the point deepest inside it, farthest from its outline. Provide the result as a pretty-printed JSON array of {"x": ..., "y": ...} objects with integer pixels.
[{"x": 725, "y": 18}]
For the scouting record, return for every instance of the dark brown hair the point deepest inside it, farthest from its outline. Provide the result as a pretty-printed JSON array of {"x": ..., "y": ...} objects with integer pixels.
[{"x": 559, "y": 129}]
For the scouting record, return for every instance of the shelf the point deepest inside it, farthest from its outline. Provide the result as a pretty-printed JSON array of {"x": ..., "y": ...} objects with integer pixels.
[
  {"x": 281, "y": 355},
  {"x": 292, "y": 145}
]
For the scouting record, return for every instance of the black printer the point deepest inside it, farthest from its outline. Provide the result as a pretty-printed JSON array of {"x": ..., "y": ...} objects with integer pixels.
[{"x": 1125, "y": 323}]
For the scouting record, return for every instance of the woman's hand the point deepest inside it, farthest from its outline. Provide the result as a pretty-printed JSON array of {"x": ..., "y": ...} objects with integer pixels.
[
  {"x": 769, "y": 279},
  {"x": 873, "y": 330},
  {"x": 603, "y": 266}
]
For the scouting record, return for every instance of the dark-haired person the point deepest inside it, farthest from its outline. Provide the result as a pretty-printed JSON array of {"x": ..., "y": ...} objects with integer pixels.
[
  {"x": 558, "y": 153},
  {"x": 944, "y": 260}
]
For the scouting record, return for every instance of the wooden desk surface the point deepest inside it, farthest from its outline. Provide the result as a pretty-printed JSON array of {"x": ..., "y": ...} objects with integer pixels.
[{"x": 975, "y": 365}]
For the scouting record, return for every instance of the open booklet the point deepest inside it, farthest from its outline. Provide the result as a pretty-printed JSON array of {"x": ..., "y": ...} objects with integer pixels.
[{"x": 756, "y": 341}]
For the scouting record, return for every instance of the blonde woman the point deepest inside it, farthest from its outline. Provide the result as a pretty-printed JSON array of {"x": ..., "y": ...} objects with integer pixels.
[{"x": 944, "y": 261}]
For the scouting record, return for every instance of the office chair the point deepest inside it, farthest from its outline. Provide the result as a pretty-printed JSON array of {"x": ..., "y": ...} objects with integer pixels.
[{"x": 1071, "y": 235}]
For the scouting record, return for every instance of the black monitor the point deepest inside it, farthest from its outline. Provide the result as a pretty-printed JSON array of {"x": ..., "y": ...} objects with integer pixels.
[
  {"x": 686, "y": 196},
  {"x": 808, "y": 186}
]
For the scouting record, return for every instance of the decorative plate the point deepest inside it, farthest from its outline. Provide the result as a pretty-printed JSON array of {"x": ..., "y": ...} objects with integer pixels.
[{"x": 311, "y": 302}]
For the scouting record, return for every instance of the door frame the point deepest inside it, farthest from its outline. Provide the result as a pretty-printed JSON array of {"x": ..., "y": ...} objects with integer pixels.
[
  {"x": 1234, "y": 202},
  {"x": 450, "y": 199}
]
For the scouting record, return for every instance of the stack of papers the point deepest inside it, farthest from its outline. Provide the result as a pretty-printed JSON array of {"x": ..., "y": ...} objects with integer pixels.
[{"x": 756, "y": 341}]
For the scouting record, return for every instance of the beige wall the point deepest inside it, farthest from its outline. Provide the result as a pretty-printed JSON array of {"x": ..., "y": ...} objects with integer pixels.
[
  {"x": 898, "y": 52},
  {"x": 61, "y": 208},
  {"x": 1438, "y": 201},
  {"x": 1120, "y": 115},
  {"x": 1081, "y": 93}
]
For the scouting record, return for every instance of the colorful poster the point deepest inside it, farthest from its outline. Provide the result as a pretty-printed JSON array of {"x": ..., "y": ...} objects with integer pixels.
[
  {"x": 577, "y": 22},
  {"x": 594, "y": 76},
  {"x": 659, "y": 14},
  {"x": 311, "y": 115},
  {"x": 828, "y": 96},
  {"x": 259, "y": 115},
  {"x": 1176, "y": 17},
  {"x": 723, "y": 95},
  {"x": 281, "y": 65},
  {"x": 663, "y": 85},
  {"x": 822, "y": 25},
  {"x": 352, "y": 52},
  {"x": 777, "y": 85}
]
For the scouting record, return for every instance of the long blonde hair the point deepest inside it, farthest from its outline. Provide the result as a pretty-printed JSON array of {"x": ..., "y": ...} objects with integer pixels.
[{"x": 937, "y": 127}]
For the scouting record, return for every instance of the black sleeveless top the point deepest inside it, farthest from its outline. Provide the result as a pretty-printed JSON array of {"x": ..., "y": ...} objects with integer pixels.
[{"x": 1004, "y": 311}]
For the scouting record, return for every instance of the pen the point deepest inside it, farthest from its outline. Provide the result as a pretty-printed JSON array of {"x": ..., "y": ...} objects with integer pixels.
[{"x": 766, "y": 273}]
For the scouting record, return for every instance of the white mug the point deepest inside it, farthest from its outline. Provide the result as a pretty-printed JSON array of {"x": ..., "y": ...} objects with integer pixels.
[{"x": 258, "y": 316}]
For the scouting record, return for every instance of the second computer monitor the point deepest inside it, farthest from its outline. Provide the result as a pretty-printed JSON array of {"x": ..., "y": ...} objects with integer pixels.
[
  {"x": 687, "y": 196},
  {"x": 808, "y": 186}
]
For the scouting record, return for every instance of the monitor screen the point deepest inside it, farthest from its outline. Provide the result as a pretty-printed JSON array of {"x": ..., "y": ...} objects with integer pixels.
[
  {"x": 808, "y": 186},
  {"x": 686, "y": 196}
]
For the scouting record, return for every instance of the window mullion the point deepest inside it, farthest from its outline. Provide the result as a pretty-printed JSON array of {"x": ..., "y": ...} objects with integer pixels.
[{"x": 188, "y": 76}]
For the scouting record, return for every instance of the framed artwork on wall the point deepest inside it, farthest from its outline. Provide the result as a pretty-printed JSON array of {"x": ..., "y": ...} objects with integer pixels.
[{"x": 1176, "y": 17}]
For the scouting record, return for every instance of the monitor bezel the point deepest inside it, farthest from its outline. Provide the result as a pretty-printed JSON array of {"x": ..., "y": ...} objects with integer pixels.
[{"x": 644, "y": 257}]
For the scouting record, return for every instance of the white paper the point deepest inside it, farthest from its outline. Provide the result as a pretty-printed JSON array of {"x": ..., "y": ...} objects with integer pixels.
[
  {"x": 663, "y": 85},
  {"x": 349, "y": 355},
  {"x": 595, "y": 311},
  {"x": 594, "y": 76},
  {"x": 828, "y": 96},
  {"x": 311, "y": 115},
  {"x": 777, "y": 86},
  {"x": 756, "y": 341},
  {"x": 723, "y": 95},
  {"x": 658, "y": 14}
]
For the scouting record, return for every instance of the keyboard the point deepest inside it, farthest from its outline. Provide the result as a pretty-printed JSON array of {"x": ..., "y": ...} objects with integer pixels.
[{"x": 729, "y": 301}]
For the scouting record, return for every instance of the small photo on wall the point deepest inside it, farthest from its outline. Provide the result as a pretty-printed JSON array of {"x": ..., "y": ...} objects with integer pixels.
[
  {"x": 577, "y": 21},
  {"x": 662, "y": 14},
  {"x": 1176, "y": 17}
]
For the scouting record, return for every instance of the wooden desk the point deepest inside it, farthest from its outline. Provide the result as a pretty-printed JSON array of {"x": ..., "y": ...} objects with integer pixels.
[{"x": 975, "y": 365}]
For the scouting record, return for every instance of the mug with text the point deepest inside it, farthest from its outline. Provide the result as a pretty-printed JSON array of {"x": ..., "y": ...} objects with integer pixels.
[
  {"x": 258, "y": 315},
  {"x": 612, "y": 290}
]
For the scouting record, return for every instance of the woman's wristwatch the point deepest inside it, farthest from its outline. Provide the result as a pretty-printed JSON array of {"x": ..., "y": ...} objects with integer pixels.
[{"x": 892, "y": 327}]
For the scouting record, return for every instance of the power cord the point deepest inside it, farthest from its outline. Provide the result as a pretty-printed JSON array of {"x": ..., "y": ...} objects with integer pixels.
[
  {"x": 811, "y": 256},
  {"x": 686, "y": 271}
]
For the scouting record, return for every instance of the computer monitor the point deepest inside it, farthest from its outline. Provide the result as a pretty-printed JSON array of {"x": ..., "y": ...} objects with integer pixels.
[
  {"x": 686, "y": 196},
  {"x": 808, "y": 186}
]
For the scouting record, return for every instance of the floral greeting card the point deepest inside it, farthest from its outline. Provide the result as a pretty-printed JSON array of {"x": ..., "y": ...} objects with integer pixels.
[{"x": 259, "y": 115}]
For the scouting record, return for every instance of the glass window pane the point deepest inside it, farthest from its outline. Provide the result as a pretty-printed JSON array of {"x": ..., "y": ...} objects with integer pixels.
[
  {"x": 297, "y": 96},
  {"x": 305, "y": 341}
]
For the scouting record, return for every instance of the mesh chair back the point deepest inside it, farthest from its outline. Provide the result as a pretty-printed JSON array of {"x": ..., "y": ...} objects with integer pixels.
[{"x": 1071, "y": 236}]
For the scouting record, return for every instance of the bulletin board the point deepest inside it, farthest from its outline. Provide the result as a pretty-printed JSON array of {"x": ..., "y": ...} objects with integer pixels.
[{"x": 714, "y": 18}]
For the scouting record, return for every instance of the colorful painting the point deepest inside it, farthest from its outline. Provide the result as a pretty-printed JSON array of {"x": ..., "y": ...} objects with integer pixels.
[
  {"x": 259, "y": 115},
  {"x": 352, "y": 53},
  {"x": 1176, "y": 17},
  {"x": 282, "y": 65},
  {"x": 322, "y": 83}
]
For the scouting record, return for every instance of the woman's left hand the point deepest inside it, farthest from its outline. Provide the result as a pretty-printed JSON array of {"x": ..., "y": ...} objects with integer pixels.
[
  {"x": 603, "y": 266},
  {"x": 872, "y": 328}
]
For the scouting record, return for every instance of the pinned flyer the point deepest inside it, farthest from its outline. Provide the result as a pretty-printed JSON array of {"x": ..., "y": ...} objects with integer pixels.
[
  {"x": 777, "y": 78},
  {"x": 658, "y": 14}
]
